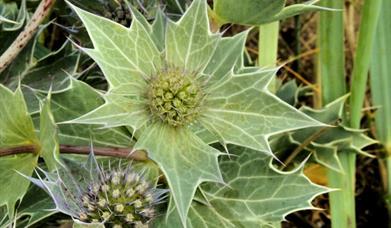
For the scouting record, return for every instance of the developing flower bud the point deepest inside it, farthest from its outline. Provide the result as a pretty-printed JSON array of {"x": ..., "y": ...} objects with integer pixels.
[
  {"x": 175, "y": 98},
  {"x": 120, "y": 198}
]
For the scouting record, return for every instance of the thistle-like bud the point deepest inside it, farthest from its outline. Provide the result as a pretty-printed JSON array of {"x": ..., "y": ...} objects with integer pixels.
[
  {"x": 115, "y": 198},
  {"x": 123, "y": 198},
  {"x": 175, "y": 98}
]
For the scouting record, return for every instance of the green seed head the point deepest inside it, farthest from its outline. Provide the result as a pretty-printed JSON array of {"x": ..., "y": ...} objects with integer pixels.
[
  {"x": 174, "y": 97},
  {"x": 121, "y": 199}
]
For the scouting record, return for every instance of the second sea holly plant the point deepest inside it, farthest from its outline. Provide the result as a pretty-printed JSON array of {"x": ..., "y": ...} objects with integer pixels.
[{"x": 179, "y": 88}]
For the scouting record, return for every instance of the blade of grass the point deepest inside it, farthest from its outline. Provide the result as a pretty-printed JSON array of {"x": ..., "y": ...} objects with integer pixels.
[
  {"x": 362, "y": 59},
  {"x": 381, "y": 83}
]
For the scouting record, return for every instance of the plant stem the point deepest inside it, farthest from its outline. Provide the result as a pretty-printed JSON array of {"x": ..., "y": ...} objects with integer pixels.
[
  {"x": 331, "y": 65},
  {"x": 25, "y": 36},
  {"x": 343, "y": 201},
  {"x": 331, "y": 76},
  {"x": 331, "y": 60},
  {"x": 268, "y": 46},
  {"x": 267, "y": 55},
  {"x": 70, "y": 149}
]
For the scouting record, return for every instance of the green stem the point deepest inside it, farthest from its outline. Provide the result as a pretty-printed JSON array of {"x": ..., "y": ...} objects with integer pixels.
[
  {"x": 267, "y": 55},
  {"x": 268, "y": 46},
  {"x": 331, "y": 59},
  {"x": 331, "y": 76},
  {"x": 343, "y": 201}
]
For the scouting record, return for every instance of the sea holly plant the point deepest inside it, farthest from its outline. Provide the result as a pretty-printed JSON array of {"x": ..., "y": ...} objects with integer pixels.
[{"x": 177, "y": 87}]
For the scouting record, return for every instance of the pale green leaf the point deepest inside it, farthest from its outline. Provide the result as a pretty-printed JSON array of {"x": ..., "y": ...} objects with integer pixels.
[
  {"x": 125, "y": 55},
  {"x": 35, "y": 206},
  {"x": 326, "y": 155},
  {"x": 247, "y": 11},
  {"x": 228, "y": 52},
  {"x": 189, "y": 43},
  {"x": 338, "y": 136},
  {"x": 249, "y": 123},
  {"x": 16, "y": 130},
  {"x": 48, "y": 135},
  {"x": 288, "y": 92},
  {"x": 117, "y": 111},
  {"x": 185, "y": 160},
  {"x": 325, "y": 142},
  {"x": 74, "y": 102},
  {"x": 257, "y": 12},
  {"x": 159, "y": 30},
  {"x": 255, "y": 194},
  {"x": 14, "y": 185}
]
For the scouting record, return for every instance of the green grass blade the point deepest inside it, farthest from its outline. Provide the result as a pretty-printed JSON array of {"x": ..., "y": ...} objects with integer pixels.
[
  {"x": 381, "y": 76},
  {"x": 362, "y": 60},
  {"x": 381, "y": 83}
]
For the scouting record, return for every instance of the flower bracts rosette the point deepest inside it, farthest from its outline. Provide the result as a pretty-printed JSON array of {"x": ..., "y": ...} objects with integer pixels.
[{"x": 180, "y": 87}]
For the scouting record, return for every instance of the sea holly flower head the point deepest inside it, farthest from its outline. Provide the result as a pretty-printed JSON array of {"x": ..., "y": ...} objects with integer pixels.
[
  {"x": 175, "y": 97},
  {"x": 181, "y": 87},
  {"x": 116, "y": 197}
]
